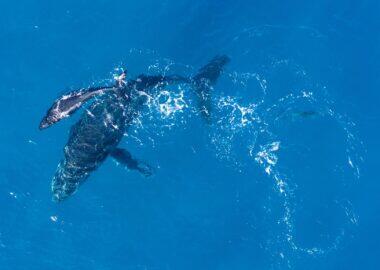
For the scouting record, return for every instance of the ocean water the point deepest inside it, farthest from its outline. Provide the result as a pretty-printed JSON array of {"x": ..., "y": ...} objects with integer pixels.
[{"x": 284, "y": 176}]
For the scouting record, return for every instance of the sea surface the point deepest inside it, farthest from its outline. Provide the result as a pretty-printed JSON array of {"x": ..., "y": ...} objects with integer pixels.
[{"x": 284, "y": 176}]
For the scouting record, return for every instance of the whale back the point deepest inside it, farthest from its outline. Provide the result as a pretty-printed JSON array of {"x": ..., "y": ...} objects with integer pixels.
[{"x": 91, "y": 139}]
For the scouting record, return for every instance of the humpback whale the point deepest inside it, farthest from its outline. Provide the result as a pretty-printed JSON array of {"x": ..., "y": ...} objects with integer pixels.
[{"x": 101, "y": 127}]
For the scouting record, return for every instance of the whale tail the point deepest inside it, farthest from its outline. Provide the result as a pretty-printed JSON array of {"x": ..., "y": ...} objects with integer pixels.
[{"x": 204, "y": 81}]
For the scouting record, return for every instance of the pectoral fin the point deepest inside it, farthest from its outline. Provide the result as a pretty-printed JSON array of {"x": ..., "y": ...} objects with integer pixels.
[{"x": 124, "y": 157}]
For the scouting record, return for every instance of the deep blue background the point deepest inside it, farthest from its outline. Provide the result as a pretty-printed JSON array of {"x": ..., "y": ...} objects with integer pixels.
[{"x": 197, "y": 212}]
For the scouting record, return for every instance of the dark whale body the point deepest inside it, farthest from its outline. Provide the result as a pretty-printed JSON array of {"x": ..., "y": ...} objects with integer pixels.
[
  {"x": 101, "y": 128},
  {"x": 97, "y": 134},
  {"x": 91, "y": 140}
]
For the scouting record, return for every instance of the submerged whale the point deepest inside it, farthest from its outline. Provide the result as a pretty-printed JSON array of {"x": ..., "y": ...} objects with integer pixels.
[{"x": 98, "y": 132}]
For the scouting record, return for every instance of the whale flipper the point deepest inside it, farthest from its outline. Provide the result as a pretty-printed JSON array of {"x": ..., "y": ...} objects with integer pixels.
[
  {"x": 204, "y": 81},
  {"x": 69, "y": 103},
  {"x": 124, "y": 157}
]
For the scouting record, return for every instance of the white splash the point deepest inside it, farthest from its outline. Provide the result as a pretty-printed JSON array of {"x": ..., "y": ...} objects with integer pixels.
[{"x": 267, "y": 156}]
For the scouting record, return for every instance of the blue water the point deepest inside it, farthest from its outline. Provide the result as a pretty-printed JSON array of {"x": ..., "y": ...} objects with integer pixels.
[{"x": 264, "y": 186}]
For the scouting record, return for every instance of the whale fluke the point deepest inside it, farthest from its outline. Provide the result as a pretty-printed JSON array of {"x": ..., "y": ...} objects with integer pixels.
[{"x": 204, "y": 81}]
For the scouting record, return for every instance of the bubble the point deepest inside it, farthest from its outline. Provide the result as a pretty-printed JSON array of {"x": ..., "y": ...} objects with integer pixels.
[{"x": 257, "y": 133}]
